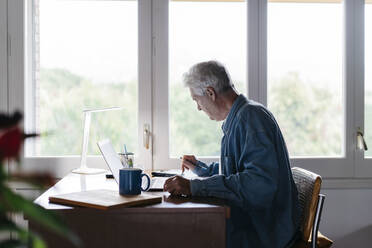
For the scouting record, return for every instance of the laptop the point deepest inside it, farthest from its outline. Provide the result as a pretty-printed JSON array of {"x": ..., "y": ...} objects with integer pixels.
[{"x": 113, "y": 162}]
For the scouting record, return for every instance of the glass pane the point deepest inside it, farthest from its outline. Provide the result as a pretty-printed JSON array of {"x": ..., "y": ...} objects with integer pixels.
[
  {"x": 368, "y": 77},
  {"x": 85, "y": 57},
  {"x": 194, "y": 37},
  {"x": 305, "y": 85}
]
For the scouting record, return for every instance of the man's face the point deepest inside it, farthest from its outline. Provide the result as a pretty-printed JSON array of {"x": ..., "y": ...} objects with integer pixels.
[{"x": 206, "y": 104}]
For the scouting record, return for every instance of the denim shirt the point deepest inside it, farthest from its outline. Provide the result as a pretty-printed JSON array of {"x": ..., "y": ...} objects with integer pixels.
[{"x": 257, "y": 180}]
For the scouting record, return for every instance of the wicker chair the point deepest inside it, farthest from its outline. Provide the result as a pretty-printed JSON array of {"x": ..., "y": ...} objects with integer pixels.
[{"x": 311, "y": 205}]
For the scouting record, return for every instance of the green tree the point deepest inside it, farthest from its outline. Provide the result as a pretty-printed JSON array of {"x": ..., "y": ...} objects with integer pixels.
[
  {"x": 191, "y": 131},
  {"x": 62, "y": 98},
  {"x": 309, "y": 117}
]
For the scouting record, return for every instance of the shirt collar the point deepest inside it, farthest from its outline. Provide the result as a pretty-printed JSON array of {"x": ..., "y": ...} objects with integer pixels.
[{"x": 234, "y": 109}]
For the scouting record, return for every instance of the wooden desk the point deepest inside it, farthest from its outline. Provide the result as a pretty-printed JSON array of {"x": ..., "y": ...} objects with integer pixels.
[{"x": 176, "y": 222}]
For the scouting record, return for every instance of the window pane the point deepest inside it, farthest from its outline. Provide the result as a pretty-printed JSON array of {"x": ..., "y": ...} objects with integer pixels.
[
  {"x": 194, "y": 37},
  {"x": 368, "y": 77},
  {"x": 85, "y": 57},
  {"x": 305, "y": 75}
]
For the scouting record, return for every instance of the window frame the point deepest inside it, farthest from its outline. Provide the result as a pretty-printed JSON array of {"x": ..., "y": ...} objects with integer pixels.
[
  {"x": 338, "y": 167},
  {"x": 363, "y": 166},
  {"x": 4, "y": 59},
  {"x": 20, "y": 77},
  {"x": 161, "y": 155},
  {"x": 257, "y": 90},
  {"x": 335, "y": 167},
  {"x": 153, "y": 84},
  {"x": 3, "y": 56}
]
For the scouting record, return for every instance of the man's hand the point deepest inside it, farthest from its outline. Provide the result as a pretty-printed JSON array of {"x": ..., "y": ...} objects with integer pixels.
[
  {"x": 188, "y": 162},
  {"x": 178, "y": 185}
]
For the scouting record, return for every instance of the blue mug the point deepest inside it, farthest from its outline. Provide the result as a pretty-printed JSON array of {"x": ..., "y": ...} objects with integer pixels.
[{"x": 130, "y": 181}]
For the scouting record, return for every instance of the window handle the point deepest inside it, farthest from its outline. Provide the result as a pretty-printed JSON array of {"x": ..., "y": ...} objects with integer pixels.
[
  {"x": 146, "y": 136},
  {"x": 361, "y": 143}
]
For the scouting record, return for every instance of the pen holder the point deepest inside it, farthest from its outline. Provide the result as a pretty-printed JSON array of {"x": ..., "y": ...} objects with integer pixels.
[{"x": 127, "y": 159}]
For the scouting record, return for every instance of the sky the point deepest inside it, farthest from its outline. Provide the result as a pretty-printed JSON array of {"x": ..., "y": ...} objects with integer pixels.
[{"x": 98, "y": 39}]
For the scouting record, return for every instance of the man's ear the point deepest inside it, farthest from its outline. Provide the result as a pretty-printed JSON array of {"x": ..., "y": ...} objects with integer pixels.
[{"x": 211, "y": 93}]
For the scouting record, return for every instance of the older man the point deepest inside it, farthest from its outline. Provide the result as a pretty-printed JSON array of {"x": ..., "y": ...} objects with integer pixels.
[{"x": 256, "y": 178}]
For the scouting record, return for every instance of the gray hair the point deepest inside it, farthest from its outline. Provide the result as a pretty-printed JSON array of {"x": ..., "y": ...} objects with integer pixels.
[{"x": 207, "y": 74}]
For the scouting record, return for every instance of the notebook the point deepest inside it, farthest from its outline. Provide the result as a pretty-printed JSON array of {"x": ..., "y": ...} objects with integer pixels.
[{"x": 104, "y": 199}]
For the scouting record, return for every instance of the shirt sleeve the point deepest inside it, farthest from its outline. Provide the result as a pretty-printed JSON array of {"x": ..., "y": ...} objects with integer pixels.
[
  {"x": 252, "y": 188},
  {"x": 204, "y": 170}
]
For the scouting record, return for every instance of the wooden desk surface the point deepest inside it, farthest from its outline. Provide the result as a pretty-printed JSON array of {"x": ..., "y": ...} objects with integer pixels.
[
  {"x": 177, "y": 221},
  {"x": 76, "y": 182}
]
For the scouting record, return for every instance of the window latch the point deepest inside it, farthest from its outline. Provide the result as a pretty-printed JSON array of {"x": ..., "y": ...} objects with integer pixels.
[
  {"x": 146, "y": 136},
  {"x": 361, "y": 143}
]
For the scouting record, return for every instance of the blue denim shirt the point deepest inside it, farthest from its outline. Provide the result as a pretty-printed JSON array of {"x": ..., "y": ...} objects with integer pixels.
[{"x": 257, "y": 179}]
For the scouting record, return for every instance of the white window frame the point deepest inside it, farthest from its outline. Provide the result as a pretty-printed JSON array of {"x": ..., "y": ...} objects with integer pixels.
[
  {"x": 257, "y": 89},
  {"x": 363, "y": 167},
  {"x": 161, "y": 154},
  {"x": 340, "y": 167},
  {"x": 153, "y": 85},
  {"x": 20, "y": 76},
  {"x": 3, "y": 56}
]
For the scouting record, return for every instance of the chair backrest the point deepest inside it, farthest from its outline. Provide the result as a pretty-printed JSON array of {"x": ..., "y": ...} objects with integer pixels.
[{"x": 308, "y": 187}]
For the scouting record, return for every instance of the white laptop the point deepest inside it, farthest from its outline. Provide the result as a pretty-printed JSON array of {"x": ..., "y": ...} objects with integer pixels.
[{"x": 113, "y": 162}]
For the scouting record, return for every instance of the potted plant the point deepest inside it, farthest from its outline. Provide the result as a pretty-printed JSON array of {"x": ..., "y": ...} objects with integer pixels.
[{"x": 11, "y": 140}]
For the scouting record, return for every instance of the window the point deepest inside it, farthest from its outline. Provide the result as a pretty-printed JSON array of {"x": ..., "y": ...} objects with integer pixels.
[
  {"x": 88, "y": 60},
  {"x": 363, "y": 88},
  {"x": 305, "y": 59},
  {"x": 85, "y": 62},
  {"x": 193, "y": 40},
  {"x": 305, "y": 76},
  {"x": 180, "y": 42}
]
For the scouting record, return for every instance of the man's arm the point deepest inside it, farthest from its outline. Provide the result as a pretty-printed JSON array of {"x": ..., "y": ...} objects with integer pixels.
[
  {"x": 203, "y": 170},
  {"x": 254, "y": 187}
]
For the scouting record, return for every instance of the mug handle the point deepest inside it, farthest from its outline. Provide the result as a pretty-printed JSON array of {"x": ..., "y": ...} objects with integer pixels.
[{"x": 148, "y": 182}]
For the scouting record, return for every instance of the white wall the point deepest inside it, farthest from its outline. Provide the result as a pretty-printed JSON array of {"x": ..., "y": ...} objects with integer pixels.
[{"x": 347, "y": 217}]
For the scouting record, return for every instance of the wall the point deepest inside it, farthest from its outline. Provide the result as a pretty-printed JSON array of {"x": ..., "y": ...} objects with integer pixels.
[{"x": 347, "y": 217}]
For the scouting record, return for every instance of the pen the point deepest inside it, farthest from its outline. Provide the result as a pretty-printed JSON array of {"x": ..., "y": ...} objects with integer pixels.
[
  {"x": 125, "y": 149},
  {"x": 125, "y": 153}
]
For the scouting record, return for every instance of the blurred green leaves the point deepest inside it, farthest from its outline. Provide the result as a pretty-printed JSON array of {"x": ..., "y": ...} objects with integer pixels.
[
  {"x": 11, "y": 202},
  {"x": 62, "y": 98},
  {"x": 14, "y": 203},
  {"x": 12, "y": 138},
  {"x": 310, "y": 117}
]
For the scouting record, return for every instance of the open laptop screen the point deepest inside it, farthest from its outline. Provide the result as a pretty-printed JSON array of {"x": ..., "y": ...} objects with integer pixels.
[{"x": 111, "y": 157}]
